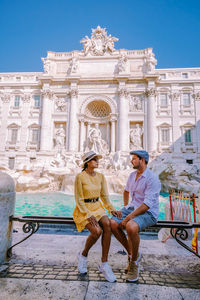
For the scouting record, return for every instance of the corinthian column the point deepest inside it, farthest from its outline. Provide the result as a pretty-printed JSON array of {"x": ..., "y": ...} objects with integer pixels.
[
  {"x": 46, "y": 126},
  {"x": 197, "y": 121},
  {"x": 151, "y": 120},
  {"x": 175, "y": 96},
  {"x": 123, "y": 134},
  {"x": 73, "y": 122},
  {"x": 112, "y": 135}
]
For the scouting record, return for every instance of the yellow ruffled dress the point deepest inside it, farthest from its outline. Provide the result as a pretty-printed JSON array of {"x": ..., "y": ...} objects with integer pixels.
[{"x": 87, "y": 187}]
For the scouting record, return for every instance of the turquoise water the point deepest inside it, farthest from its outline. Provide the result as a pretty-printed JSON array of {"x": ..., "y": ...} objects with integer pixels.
[{"x": 58, "y": 204}]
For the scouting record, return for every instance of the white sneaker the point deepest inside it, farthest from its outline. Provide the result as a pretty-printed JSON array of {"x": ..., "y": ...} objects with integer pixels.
[
  {"x": 106, "y": 270},
  {"x": 82, "y": 263}
]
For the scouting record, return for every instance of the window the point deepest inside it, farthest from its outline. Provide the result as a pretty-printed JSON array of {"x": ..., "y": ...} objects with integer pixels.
[
  {"x": 189, "y": 161},
  {"x": 18, "y": 79},
  {"x": 163, "y": 99},
  {"x": 17, "y": 101},
  {"x": 184, "y": 75},
  {"x": 14, "y": 133},
  {"x": 11, "y": 163},
  {"x": 186, "y": 99},
  {"x": 36, "y": 101},
  {"x": 35, "y": 135},
  {"x": 165, "y": 135},
  {"x": 188, "y": 136}
]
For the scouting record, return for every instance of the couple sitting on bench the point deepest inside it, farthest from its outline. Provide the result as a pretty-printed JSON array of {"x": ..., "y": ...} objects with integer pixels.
[{"x": 92, "y": 199}]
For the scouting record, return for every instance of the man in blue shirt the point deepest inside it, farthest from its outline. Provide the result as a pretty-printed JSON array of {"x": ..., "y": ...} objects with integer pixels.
[{"x": 142, "y": 211}]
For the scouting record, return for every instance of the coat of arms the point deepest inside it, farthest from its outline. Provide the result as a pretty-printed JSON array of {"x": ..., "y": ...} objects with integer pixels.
[{"x": 99, "y": 42}]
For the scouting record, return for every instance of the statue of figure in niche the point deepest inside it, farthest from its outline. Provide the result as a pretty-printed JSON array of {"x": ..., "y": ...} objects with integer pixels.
[
  {"x": 60, "y": 137},
  {"x": 136, "y": 137},
  {"x": 95, "y": 141}
]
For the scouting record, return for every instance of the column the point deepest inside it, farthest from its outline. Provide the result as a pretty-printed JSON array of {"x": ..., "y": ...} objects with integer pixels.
[
  {"x": 73, "y": 122},
  {"x": 81, "y": 134},
  {"x": 123, "y": 134},
  {"x": 151, "y": 121},
  {"x": 108, "y": 133},
  {"x": 175, "y": 97},
  {"x": 112, "y": 135},
  {"x": 25, "y": 116},
  {"x": 197, "y": 121},
  {"x": 46, "y": 139},
  {"x": 4, "y": 120}
]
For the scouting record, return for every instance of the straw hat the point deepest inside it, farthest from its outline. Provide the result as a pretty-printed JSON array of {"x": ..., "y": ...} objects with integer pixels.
[{"x": 89, "y": 156}]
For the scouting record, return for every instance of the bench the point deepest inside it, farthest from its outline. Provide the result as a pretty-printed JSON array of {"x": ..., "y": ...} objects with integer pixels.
[{"x": 180, "y": 221}]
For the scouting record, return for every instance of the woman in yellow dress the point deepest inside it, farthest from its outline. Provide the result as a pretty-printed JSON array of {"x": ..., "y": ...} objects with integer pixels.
[{"x": 91, "y": 196}]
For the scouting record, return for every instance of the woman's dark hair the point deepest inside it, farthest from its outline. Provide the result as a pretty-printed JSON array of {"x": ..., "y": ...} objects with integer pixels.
[{"x": 85, "y": 167}]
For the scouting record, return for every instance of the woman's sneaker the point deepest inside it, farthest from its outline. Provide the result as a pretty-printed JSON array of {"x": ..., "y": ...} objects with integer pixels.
[
  {"x": 139, "y": 256},
  {"x": 106, "y": 270},
  {"x": 133, "y": 272},
  {"x": 82, "y": 263}
]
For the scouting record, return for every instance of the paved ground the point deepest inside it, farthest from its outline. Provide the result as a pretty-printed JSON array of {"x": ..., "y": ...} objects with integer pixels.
[{"x": 45, "y": 267}]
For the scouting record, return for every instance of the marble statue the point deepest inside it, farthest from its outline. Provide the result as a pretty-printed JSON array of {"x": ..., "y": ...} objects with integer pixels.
[
  {"x": 95, "y": 141},
  {"x": 122, "y": 63},
  {"x": 136, "y": 137},
  {"x": 60, "y": 137}
]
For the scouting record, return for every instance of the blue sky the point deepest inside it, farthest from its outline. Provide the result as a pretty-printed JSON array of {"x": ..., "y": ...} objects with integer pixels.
[{"x": 30, "y": 28}]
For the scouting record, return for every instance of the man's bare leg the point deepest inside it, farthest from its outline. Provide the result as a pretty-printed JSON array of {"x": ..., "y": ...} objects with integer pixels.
[
  {"x": 132, "y": 230},
  {"x": 120, "y": 235}
]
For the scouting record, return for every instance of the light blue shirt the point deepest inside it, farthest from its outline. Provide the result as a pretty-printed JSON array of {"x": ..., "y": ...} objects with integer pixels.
[{"x": 146, "y": 189}]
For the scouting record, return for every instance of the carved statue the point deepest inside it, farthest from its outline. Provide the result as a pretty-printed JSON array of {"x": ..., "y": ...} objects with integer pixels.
[
  {"x": 150, "y": 62},
  {"x": 60, "y": 137},
  {"x": 122, "y": 63},
  {"x": 74, "y": 65},
  {"x": 95, "y": 141},
  {"x": 46, "y": 65},
  {"x": 99, "y": 43},
  {"x": 136, "y": 137}
]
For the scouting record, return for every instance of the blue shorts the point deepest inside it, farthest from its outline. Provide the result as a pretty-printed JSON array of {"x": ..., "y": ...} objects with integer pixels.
[{"x": 143, "y": 221}]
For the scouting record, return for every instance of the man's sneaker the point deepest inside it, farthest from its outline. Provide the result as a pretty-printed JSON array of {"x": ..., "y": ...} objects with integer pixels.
[
  {"x": 133, "y": 272},
  {"x": 106, "y": 270},
  {"x": 139, "y": 256},
  {"x": 82, "y": 263}
]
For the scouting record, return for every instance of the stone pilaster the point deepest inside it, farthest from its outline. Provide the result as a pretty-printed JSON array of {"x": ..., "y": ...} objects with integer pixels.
[
  {"x": 113, "y": 121},
  {"x": 26, "y": 99},
  {"x": 73, "y": 123},
  {"x": 81, "y": 134},
  {"x": 123, "y": 133},
  {"x": 4, "y": 120},
  {"x": 46, "y": 140},
  {"x": 175, "y": 97},
  {"x": 197, "y": 109},
  {"x": 151, "y": 120}
]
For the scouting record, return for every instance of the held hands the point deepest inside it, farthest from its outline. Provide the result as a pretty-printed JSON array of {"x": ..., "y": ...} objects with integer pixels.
[
  {"x": 116, "y": 213},
  {"x": 93, "y": 221}
]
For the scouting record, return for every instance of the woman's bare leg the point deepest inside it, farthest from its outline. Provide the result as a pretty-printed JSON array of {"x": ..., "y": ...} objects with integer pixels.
[
  {"x": 95, "y": 232},
  {"x": 106, "y": 237}
]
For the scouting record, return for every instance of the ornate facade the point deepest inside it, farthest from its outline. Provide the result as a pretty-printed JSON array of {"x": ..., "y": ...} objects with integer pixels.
[{"x": 99, "y": 98}]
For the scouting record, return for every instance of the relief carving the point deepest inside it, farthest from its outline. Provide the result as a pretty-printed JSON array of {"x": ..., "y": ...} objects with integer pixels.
[
  {"x": 136, "y": 137},
  {"x": 135, "y": 103}
]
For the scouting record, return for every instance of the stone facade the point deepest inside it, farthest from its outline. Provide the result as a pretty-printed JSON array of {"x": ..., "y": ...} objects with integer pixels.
[{"x": 103, "y": 99}]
